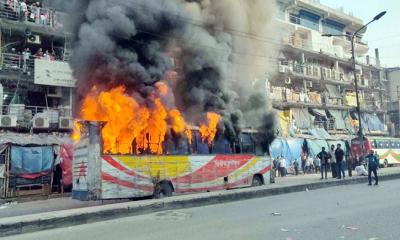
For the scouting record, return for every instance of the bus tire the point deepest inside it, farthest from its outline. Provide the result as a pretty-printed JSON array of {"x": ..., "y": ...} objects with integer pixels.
[
  {"x": 163, "y": 190},
  {"x": 257, "y": 181},
  {"x": 385, "y": 163}
]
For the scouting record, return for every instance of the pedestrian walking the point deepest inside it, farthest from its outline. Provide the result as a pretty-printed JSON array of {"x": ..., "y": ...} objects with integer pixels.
[
  {"x": 324, "y": 157},
  {"x": 339, "y": 156},
  {"x": 333, "y": 162},
  {"x": 303, "y": 163},
  {"x": 373, "y": 164},
  {"x": 282, "y": 166},
  {"x": 350, "y": 164}
]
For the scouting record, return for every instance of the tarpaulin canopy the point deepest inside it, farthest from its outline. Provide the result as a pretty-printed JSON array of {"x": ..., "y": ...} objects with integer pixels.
[
  {"x": 339, "y": 120},
  {"x": 348, "y": 121},
  {"x": 333, "y": 91},
  {"x": 319, "y": 133},
  {"x": 31, "y": 160},
  {"x": 315, "y": 146},
  {"x": 302, "y": 117},
  {"x": 290, "y": 149},
  {"x": 284, "y": 120},
  {"x": 25, "y": 139},
  {"x": 373, "y": 122}
]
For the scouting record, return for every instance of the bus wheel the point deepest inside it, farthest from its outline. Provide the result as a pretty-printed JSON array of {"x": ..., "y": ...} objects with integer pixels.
[
  {"x": 257, "y": 181},
  {"x": 385, "y": 163},
  {"x": 163, "y": 190}
]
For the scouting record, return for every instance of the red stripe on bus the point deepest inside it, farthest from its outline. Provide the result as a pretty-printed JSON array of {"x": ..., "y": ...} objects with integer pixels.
[{"x": 111, "y": 179}]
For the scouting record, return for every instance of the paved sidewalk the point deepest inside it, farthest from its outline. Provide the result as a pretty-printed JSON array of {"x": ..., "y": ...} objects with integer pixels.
[{"x": 58, "y": 204}]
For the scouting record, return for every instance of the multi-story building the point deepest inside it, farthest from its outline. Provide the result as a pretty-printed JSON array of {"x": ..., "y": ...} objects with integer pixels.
[
  {"x": 314, "y": 87},
  {"x": 36, "y": 83},
  {"x": 393, "y": 75}
]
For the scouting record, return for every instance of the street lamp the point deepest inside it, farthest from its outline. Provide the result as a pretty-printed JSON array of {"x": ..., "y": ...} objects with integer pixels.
[{"x": 353, "y": 58}]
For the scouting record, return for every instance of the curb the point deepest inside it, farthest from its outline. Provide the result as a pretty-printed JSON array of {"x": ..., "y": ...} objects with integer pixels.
[{"x": 38, "y": 222}]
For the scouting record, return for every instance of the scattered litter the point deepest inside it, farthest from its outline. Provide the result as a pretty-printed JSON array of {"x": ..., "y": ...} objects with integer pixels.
[
  {"x": 352, "y": 227},
  {"x": 307, "y": 190},
  {"x": 374, "y": 238},
  {"x": 276, "y": 214},
  {"x": 284, "y": 230}
]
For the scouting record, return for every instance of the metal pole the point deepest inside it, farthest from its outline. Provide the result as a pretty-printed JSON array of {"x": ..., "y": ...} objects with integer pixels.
[{"x": 360, "y": 130}]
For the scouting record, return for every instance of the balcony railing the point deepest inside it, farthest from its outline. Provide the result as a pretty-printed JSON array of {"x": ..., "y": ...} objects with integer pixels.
[{"x": 36, "y": 15}]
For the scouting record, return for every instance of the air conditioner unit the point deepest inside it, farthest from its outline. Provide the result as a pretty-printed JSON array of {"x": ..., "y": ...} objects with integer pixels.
[
  {"x": 34, "y": 39},
  {"x": 8, "y": 121},
  {"x": 288, "y": 81},
  {"x": 55, "y": 92},
  {"x": 66, "y": 123},
  {"x": 41, "y": 122}
]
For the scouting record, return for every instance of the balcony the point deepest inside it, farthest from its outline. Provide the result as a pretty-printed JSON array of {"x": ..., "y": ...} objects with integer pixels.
[{"x": 35, "y": 17}]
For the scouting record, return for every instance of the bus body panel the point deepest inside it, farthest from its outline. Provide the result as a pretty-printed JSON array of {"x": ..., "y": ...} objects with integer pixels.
[
  {"x": 132, "y": 177},
  {"x": 388, "y": 149}
]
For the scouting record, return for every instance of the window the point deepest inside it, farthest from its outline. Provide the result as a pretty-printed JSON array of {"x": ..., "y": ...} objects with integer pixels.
[
  {"x": 221, "y": 146},
  {"x": 247, "y": 144}
]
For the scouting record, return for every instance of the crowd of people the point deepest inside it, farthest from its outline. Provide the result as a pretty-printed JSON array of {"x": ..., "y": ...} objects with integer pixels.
[
  {"x": 334, "y": 161},
  {"x": 20, "y": 9}
]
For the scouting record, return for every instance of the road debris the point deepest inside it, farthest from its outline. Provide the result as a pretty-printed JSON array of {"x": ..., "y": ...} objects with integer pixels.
[
  {"x": 352, "y": 227},
  {"x": 276, "y": 214},
  {"x": 285, "y": 230}
]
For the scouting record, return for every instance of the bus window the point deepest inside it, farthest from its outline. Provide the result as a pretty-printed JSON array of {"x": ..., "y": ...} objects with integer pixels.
[
  {"x": 221, "y": 146},
  {"x": 199, "y": 146},
  {"x": 397, "y": 144},
  {"x": 247, "y": 144},
  {"x": 373, "y": 143},
  {"x": 179, "y": 147},
  {"x": 379, "y": 144}
]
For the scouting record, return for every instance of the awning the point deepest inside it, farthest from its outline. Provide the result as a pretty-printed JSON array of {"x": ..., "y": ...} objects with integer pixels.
[
  {"x": 319, "y": 112},
  {"x": 333, "y": 91},
  {"x": 315, "y": 146},
  {"x": 302, "y": 118},
  {"x": 319, "y": 133},
  {"x": 339, "y": 119},
  {"x": 373, "y": 122}
]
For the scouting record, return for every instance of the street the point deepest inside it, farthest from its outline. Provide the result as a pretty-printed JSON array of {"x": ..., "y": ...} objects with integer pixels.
[{"x": 346, "y": 212}]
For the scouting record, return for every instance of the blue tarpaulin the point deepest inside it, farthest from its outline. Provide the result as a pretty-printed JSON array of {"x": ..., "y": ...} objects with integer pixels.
[
  {"x": 290, "y": 149},
  {"x": 319, "y": 133},
  {"x": 373, "y": 122},
  {"x": 315, "y": 146},
  {"x": 31, "y": 160}
]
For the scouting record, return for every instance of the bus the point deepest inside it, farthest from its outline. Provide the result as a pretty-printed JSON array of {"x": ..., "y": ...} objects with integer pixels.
[
  {"x": 188, "y": 167},
  {"x": 388, "y": 149}
]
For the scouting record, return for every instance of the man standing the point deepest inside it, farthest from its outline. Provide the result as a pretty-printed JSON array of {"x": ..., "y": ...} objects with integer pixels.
[
  {"x": 282, "y": 166},
  {"x": 324, "y": 157},
  {"x": 339, "y": 155},
  {"x": 333, "y": 162},
  {"x": 373, "y": 163}
]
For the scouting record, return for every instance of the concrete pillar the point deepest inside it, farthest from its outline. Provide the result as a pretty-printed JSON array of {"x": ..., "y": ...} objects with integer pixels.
[{"x": 378, "y": 61}]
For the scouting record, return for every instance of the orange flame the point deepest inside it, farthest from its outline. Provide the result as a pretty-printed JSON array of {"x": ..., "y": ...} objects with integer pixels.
[
  {"x": 76, "y": 135},
  {"x": 131, "y": 127},
  {"x": 209, "y": 130}
]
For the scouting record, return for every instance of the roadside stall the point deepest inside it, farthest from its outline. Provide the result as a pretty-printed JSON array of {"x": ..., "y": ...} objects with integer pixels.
[{"x": 28, "y": 164}]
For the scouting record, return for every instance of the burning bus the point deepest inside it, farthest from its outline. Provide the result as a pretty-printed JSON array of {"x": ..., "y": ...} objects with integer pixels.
[
  {"x": 161, "y": 169},
  {"x": 145, "y": 77}
]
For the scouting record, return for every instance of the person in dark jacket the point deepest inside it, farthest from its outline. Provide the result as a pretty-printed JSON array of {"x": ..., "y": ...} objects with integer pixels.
[
  {"x": 324, "y": 157},
  {"x": 373, "y": 163},
  {"x": 339, "y": 155}
]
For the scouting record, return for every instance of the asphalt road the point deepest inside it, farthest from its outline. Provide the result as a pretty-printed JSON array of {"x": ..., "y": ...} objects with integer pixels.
[{"x": 356, "y": 212}]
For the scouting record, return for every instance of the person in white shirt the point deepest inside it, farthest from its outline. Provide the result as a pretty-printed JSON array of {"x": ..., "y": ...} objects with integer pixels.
[
  {"x": 361, "y": 171},
  {"x": 282, "y": 166},
  {"x": 24, "y": 9}
]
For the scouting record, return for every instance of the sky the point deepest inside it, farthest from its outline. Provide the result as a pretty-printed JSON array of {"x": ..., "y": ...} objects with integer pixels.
[{"x": 383, "y": 34}]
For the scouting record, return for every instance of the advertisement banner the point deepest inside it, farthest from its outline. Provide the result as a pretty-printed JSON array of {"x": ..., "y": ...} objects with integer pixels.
[{"x": 53, "y": 73}]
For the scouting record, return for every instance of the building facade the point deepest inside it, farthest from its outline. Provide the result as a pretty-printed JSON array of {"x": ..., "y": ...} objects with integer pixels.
[
  {"x": 36, "y": 84},
  {"x": 393, "y": 75},
  {"x": 314, "y": 90}
]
